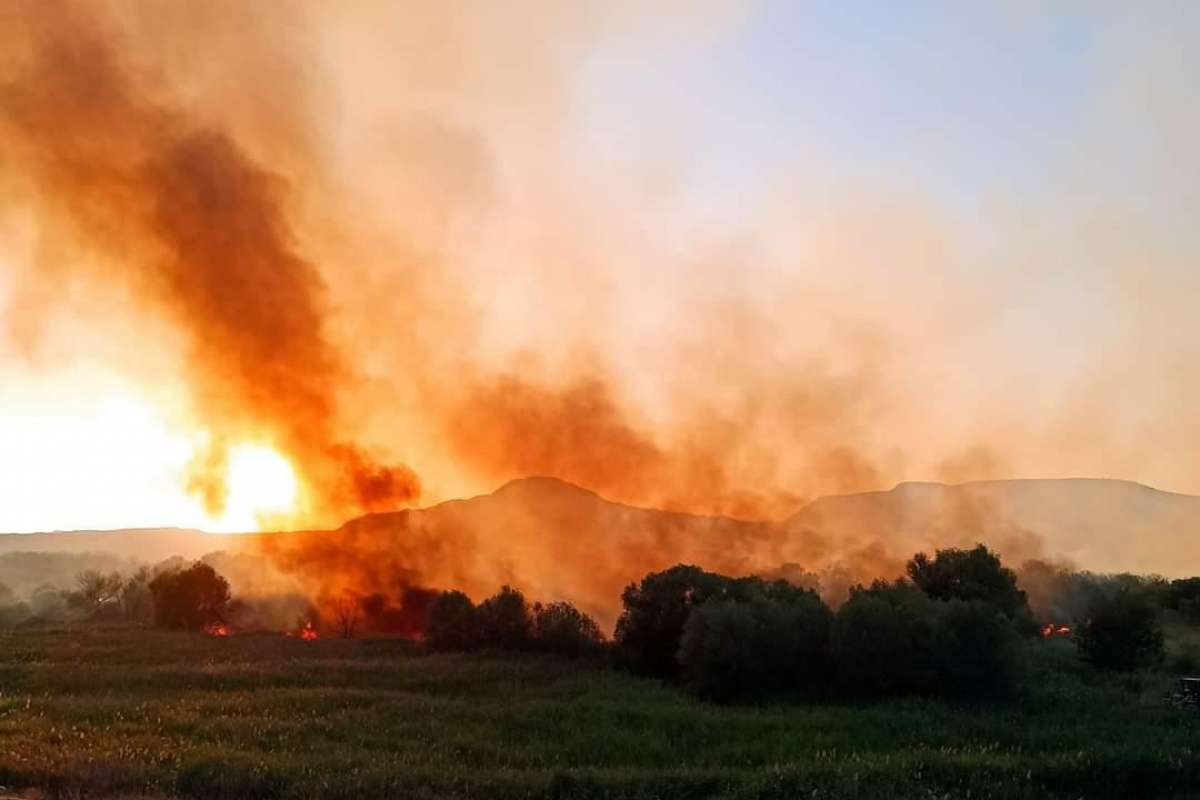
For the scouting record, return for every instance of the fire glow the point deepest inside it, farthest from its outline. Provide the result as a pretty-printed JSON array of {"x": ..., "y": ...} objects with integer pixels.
[
  {"x": 1050, "y": 630},
  {"x": 307, "y": 632},
  {"x": 217, "y": 629}
]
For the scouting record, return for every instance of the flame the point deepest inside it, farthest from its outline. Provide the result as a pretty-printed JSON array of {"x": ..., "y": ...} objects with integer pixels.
[
  {"x": 262, "y": 485},
  {"x": 217, "y": 629},
  {"x": 307, "y": 632},
  {"x": 1050, "y": 629}
]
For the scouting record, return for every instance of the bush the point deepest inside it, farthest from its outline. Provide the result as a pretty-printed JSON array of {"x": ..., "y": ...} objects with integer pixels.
[
  {"x": 190, "y": 598},
  {"x": 504, "y": 621},
  {"x": 882, "y": 640},
  {"x": 1121, "y": 632},
  {"x": 453, "y": 623},
  {"x": 975, "y": 650},
  {"x": 975, "y": 574},
  {"x": 766, "y": 641},
  {"x": 1184, "y": 596},
  {"x": 562, "y": 628},
  {"x": 1186, "y": 660},
  {"x": 96, "y": 594},
  {"x": 135, "y": 600},
  {"x": 655, "y": 611}
]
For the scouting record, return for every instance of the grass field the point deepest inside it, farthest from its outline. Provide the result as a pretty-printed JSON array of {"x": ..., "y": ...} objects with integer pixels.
[{"x": 106, "y": 712}]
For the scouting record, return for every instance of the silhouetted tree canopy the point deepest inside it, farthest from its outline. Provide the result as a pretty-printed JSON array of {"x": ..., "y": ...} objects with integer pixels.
[
  {"x": 1184, "y": 597},
  {"x": 883, "y": 640},
  {"x": 975, "y": 650},
  {"x": 975, "y": 574},
  {"x": 1121, "y": 632},
  {"x": 650, "y": 628},
  {"x": 760, "y": 638},
  {"x": 453, "y": 623},
  {"x": 562, "y": 628},
  {"x": 190, "y": 598},
  {"x": 504, "y": 620}
]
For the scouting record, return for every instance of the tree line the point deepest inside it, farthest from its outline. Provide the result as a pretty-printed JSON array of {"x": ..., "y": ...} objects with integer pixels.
[{"x": 951, "y": 626}]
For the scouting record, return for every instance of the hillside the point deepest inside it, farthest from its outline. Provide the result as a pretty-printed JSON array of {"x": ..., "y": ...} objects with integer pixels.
[
  {"x": 557, "y": 540},
  {"x": 550, "y": 538},
  {"x": 1098, "y": 524}
]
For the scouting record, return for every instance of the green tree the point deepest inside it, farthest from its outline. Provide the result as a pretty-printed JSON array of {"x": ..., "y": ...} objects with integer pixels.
[
  {"x": 655, "y": 611},
  {"x": 190, "y": 598},
  {"x": 975, "y": 574},
  {"x": 453, "y": 623},
  {"x": 1121, "y": 632},
  {"x": 562, "y": 628},
  {"x": 975, "y": 651},
  {"x": 882, "y": 640},
  {"x": 504, "y": 620},
  {"x": 757, "y": 642}
]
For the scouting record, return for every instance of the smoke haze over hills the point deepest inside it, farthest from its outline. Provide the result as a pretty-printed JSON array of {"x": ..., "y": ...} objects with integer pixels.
[
  {"x": 353, "y": 240},
  {"x": 558, "y": 541}
]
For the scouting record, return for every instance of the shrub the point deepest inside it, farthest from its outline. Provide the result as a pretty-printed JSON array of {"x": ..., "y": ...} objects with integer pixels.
[
  {"x": 1121, "y": 632},
  {"x": 135, "y": 600},
  {"x": 766, "y": 641},
  {"x": 975, "y": 650},
  {"x": 1184, "y": 596},
  {"x": 453, "y": 623},
  {"x": 12, "y": 610},
  {"x": 1186, "y": 660},
  {"x": 96, "y": 594},
  {"x": 190, "y": 598},
  {"x": 562, "y": 628},
  {"x": 47, "y": 603},
  {"x": 504, "y": 621},
  {"x": 975, "y": 574},
  {"x": 882, "y": 641},
  {"x": 655, "y": 611}
]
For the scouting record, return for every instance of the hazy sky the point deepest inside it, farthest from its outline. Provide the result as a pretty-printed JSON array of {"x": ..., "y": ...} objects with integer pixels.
[{"x": 829, "y": 245}]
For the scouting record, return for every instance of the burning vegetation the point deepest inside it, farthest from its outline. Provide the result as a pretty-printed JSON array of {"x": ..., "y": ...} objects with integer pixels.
[{"x": 1050, "y": 630}]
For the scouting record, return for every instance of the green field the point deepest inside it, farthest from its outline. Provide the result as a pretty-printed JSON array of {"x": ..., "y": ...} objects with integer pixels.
[{"x": 119, "y": 712}]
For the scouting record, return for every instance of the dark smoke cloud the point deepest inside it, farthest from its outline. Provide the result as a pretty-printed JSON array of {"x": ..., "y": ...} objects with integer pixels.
[{"x": 150, "y": 197}]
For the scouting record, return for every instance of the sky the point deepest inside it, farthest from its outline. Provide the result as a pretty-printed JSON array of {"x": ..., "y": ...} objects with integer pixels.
[{"x": 722, "y": 257}]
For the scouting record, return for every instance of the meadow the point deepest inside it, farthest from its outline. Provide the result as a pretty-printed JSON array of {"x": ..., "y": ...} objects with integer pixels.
[{"x": 101, "y": 711}]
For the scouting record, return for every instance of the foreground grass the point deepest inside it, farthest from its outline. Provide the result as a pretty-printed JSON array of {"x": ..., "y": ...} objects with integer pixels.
[{"x": 119, "y": 712}]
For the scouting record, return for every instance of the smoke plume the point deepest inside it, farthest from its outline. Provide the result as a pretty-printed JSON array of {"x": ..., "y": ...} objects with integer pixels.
[
  {"x": 393, "y": 243},
  {"x": 143, "y": 194}
]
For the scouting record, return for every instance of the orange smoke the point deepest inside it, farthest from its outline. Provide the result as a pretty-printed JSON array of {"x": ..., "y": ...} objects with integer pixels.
[
  {"x": 196, "y": 217},
  {"x": 142, "y": 194}
]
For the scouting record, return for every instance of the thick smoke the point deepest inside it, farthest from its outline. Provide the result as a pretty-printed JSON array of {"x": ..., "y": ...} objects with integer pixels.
[
  {"x": 372, "y": 235},
  {"x": 148, "y": 196}
]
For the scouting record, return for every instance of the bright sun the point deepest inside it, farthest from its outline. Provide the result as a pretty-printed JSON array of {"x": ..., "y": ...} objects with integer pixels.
[{"x": 261, "y": 483}]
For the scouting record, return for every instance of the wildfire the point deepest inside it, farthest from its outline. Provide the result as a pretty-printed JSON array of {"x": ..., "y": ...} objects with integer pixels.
[
  {"x": 1050, "y": 630},
  {"x": 307, "y": 632},
  {"x": 217, "y": 629}
]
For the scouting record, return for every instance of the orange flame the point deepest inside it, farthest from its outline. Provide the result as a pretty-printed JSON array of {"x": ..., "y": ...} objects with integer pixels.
[
  {"x": 217, "y": 629},
  {"x": 1050, "y": 629},
  {"x": 307, "y": 632}
]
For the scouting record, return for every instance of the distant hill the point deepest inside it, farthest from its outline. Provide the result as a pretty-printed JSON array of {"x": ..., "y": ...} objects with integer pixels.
[
  {"x": 552, "y": 539},
  {"x": 1098, "y": 524},
  {"x": 557, "y": 540},
  {"x": 146, "y": 544}
]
